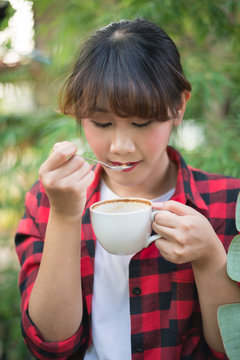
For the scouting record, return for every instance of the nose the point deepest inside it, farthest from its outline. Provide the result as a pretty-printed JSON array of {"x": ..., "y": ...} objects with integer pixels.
[{"x": 122, "y": 143}]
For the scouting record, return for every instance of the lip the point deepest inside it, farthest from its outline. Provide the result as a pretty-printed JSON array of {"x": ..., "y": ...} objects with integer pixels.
[{"x": 132, "y": 163}]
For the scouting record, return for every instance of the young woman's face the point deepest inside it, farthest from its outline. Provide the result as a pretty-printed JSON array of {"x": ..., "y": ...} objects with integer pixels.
[{"x": 140, "y": 142}]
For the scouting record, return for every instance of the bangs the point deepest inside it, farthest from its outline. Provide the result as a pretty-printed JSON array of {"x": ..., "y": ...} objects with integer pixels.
[
  {"x": 124, "y": 93},
  {"x": 123, "y": 89}
]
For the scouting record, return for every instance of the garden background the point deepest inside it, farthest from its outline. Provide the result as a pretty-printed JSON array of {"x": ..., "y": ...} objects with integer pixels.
[{"x": 39, "y": 41}]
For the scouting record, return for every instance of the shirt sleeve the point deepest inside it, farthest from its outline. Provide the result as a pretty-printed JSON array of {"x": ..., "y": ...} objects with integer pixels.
[{"x": 29, "y": 242}]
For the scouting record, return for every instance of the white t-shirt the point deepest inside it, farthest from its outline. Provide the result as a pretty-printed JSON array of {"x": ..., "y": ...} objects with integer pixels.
[{"x": 111, "y": 327}]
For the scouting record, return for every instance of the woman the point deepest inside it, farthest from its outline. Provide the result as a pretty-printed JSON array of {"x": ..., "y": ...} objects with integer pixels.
[{"x": 128, "y": 91}]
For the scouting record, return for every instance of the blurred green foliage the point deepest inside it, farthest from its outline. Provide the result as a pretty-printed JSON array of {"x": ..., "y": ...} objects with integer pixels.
[
  {"x": 207, "y": 34},
  {"x": 11, "y": 345}
]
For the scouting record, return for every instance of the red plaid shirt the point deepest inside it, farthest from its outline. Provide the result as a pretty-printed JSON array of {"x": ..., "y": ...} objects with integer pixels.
[{"x": 164, "y": 307}]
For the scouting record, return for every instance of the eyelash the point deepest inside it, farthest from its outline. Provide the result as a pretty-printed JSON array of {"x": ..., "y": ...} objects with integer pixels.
[
  {"x": 101, "y": 125},
  {"x": 105, "y": 125},
  {"x": 142, "y": 125}
]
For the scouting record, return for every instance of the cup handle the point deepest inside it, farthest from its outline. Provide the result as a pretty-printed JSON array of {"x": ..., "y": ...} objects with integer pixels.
[
  {"x": 153, "y": 237},
  {"x": 154, "y": 212}
]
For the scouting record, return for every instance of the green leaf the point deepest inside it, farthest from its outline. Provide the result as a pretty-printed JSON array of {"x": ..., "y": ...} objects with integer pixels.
[
  {"x": 229, "y": 323},
  {"x": 233, "y": 268},
  {"x": 238, "y": 213}
]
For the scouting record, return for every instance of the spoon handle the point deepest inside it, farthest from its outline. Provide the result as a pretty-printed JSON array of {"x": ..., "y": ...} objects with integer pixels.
[{"x": 94, "y": 160}]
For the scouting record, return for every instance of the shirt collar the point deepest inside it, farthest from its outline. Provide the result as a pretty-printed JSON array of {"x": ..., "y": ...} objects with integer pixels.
[{"x": 186, "y": 188}]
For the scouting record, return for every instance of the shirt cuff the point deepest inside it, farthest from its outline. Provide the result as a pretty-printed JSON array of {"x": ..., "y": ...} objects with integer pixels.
[
  {"x": 46, "y": 350},
  {"x": 219, "y": 355}
]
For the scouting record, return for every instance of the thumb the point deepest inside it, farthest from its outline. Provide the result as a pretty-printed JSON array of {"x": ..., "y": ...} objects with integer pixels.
[
  {"x": 157, "y": 205},
  {"x": 177, "y": 208}
]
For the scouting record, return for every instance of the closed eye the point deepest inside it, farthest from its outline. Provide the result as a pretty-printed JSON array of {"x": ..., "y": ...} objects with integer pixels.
[
  {"x": 139, "y": 125},
  {"x": 101, "y": 125}
]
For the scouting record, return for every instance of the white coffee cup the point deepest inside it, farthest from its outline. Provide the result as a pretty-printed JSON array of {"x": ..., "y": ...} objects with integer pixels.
[{"x": 123, "y": 226}]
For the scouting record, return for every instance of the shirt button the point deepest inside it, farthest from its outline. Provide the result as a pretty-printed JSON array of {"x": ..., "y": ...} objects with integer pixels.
[
  {"x": 136, "y": 291},
  {"x": 139, "y": 349}
]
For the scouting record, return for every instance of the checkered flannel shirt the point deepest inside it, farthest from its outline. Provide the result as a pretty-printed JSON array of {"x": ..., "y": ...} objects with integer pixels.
[{"x": 164, "y": 307}]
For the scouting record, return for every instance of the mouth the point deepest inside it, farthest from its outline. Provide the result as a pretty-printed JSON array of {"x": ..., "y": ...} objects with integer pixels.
[{"x": 133, "y": 164}]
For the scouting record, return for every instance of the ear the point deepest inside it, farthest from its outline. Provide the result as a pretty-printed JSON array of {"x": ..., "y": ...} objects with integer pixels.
[{"x": 185, "y": 96}]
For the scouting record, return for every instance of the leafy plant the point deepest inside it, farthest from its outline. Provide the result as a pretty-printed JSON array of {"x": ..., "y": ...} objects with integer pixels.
[
  {"x": 12, "y": 346},
  {"x": 229, "y": 315}
]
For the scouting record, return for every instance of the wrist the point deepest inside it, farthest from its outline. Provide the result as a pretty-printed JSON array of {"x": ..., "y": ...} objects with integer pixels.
[
  {"x": 67, "y": 207},
  {"x": 64, "y": 218},
  {"x": 213, "y": 259}
]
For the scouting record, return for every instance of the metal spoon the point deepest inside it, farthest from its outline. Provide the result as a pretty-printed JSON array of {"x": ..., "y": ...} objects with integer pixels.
[{"x": 116, "y": 167}]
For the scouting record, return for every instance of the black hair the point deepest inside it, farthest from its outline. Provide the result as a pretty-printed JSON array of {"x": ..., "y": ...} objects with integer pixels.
[{"x": 129, "y": 68}]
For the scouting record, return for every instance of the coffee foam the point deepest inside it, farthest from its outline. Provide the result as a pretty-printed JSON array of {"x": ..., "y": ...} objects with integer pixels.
[{"x": 123, "y": 206}]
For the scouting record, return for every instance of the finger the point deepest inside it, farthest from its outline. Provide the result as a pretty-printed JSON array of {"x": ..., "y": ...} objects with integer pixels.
[
  {"x": 165, "y": 231},
  {"x": 164, "y": 246},
  {"x": 166, "y": 218},
  {"x": 157, "y": 205},
  {"x": 171, "y": 252},
  {"x": 77, "y": 175},
  {"x": 59, "y": 156},
  {"x": 86, "y": 181},
  {"x": 74, "y": 164},
  {"x": 59, "y": 144},
  {"x": 177, "y": 208}
]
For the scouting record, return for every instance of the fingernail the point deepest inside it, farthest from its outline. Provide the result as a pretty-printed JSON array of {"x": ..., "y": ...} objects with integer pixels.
[
  {"x": 65, "y": 147},
  {"x": 158, "y": 204},
  {"x": 59, "y": 144}
]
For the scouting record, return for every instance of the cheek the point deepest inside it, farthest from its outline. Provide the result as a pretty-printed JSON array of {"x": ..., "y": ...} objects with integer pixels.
[
  {"x": 94, "y": 139},
  {"x": 157, "y": 140}
]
